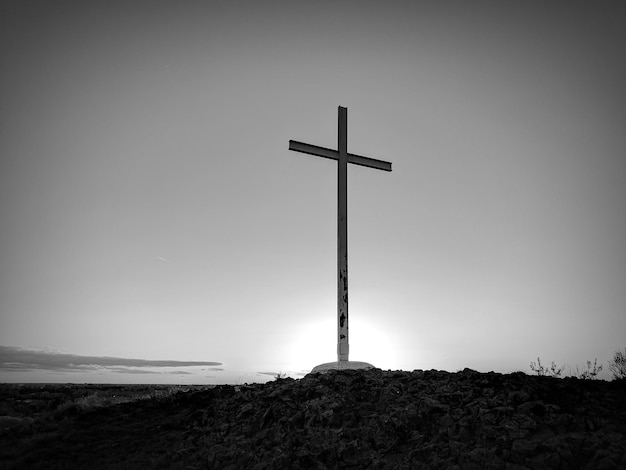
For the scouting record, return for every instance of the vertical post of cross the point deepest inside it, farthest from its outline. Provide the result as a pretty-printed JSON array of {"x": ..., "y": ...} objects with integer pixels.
[{"x": 343, "y": 347}]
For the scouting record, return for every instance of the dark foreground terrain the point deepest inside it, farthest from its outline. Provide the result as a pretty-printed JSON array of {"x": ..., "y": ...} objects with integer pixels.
[{"x": 348, "y": 419}]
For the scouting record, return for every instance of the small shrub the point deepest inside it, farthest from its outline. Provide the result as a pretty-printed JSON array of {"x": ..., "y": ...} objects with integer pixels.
[
  {"x": 617, "y": 365},
  {"x": 553, "y": 371},
  {"x": 591, "y": 373}
]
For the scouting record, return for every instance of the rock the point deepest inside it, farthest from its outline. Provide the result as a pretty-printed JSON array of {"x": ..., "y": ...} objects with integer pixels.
[{"x": 15, "y": 426}]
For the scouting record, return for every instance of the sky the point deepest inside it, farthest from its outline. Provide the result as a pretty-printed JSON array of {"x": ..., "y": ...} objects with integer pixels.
[{"x": 155, "y": 228}]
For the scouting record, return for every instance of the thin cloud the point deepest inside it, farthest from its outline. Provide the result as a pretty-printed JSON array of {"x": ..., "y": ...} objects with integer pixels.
[
  {"x": 273, "y": 374},
  {"x": 122, "y": 370},
  {"x": 18, "y": 359},
  {"x": 301, "y": 373}
]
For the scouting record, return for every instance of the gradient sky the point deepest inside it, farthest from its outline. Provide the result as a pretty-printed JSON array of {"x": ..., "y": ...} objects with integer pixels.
[{"x": 150, "y": 207}]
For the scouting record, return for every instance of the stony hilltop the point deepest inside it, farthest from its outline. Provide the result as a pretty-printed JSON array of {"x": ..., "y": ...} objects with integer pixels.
[{"x": 351, "y": 419}]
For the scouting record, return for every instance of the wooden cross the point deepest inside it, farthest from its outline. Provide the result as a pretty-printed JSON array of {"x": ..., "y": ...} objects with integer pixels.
[{"x": 343, "y": 158}]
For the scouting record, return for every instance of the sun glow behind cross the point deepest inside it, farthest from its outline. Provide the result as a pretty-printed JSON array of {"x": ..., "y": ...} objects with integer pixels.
[{"x": 315, "y": 343}]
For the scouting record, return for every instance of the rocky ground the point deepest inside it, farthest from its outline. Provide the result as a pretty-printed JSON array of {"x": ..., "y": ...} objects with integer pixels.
[{"x": 342, "y": 419}]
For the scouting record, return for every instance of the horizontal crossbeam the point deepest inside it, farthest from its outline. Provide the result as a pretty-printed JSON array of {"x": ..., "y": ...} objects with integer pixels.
[{"x": 334, "y": 155}]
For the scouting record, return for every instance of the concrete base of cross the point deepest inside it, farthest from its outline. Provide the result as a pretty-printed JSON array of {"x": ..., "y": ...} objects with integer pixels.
[{"x": 341, "y": 365}]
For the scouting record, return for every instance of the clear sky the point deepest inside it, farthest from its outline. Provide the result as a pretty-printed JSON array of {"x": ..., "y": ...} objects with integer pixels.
[{"x": 150, "y": 208}]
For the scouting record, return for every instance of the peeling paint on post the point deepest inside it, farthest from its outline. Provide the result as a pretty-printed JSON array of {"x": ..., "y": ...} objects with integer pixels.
[{"x": 343, "y": 347}]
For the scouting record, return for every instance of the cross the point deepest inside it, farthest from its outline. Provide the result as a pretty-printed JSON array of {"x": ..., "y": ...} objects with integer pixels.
[{"x": 343, "y": 158}]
